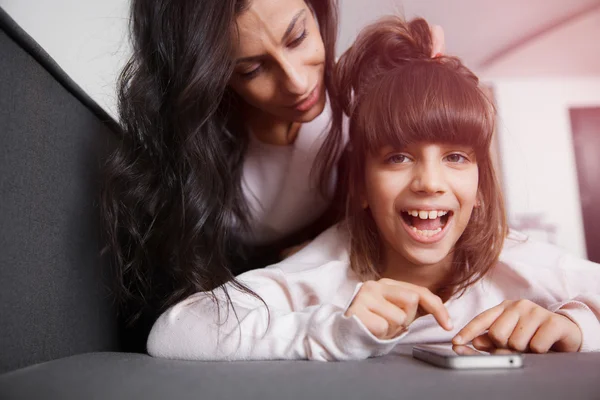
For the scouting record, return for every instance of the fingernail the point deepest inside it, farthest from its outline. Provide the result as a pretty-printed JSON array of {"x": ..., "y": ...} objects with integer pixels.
[
  {"x": 457, "y": 340},
  {"x": 450, "y": 325}
]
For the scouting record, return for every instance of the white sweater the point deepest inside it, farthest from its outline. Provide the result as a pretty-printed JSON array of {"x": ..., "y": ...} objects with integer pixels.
[
  {"x": 308, "y": 293},
  {"x": 277, "y": 183}
]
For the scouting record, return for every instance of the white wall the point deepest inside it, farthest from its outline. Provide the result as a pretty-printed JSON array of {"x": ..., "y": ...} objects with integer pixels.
[
  {"x": 87, "y": 38},
  {"x": 537, "y": 154},
  {"x": 535, "y": 85},
  {"x": 474, "y": 29},
  {"x": 571, "y": 49}
]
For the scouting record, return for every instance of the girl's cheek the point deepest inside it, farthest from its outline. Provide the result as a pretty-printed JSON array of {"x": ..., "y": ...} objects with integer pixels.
[{"x": 383, "y": 188}]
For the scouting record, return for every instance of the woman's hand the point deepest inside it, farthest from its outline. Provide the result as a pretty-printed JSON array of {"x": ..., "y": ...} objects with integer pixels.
[
  {"x": 439, "y": 43},
  {"x": 523, "y": 326},
  {"x": 387, "y": 307}
]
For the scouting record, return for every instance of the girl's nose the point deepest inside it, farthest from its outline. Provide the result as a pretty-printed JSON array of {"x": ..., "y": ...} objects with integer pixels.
[{"x": 428, "y": 179}]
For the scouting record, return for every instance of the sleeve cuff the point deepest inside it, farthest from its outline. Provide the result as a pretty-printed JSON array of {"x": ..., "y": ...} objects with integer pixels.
[
  {"x": 587, "y": 321},
  {"x": 357, "y": 336}
]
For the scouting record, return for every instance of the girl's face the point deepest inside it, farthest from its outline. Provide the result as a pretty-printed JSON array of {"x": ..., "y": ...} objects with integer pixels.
[
  {"x": 421, "y": 199},
  {"x": 280, "y": 60}
]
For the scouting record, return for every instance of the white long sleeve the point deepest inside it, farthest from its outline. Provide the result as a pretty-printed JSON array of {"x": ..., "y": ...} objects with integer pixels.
[
  {"x": 532, "y": 270},
  {"x": 581, "y": 280},
  {"x": 307, "y": 296},
  {"x": 308, "y": 293},
  {"x": 278, "y": 183}
]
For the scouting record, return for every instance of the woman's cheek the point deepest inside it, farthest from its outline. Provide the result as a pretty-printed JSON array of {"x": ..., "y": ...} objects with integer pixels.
[{"x": 259, "y": 92}]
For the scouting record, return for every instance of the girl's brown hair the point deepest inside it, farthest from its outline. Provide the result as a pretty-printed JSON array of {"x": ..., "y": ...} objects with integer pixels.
[{"x": 395, "y": 94}]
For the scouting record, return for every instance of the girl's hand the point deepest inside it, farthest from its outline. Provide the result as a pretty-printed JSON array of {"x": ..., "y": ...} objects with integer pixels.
[
  {"x": 523, "y": 326},
  {"x": 387, "y": 307}
]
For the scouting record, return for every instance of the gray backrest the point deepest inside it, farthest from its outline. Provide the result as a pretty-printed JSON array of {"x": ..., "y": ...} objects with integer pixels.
[{"x": 53, "y": 295}]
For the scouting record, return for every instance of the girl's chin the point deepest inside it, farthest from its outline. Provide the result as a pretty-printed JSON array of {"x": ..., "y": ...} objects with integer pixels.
[
  {"x": 426, "y": 259},
  {"x": 419, "y": 256}
]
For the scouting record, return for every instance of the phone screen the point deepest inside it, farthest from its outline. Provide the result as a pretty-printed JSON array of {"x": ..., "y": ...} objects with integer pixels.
[
  {"x": 466, "y": 356},
  {"x": 463, "y": 350}
]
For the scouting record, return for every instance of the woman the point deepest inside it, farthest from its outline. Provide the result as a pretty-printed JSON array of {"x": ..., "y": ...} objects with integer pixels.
[{"x": 224, "y": 109}]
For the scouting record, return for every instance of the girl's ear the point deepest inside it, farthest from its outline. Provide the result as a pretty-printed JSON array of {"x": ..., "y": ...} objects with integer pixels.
[
  {"x": 364, "y": 203},
  {"x": 359, "y": 194},
  {"x": 478, "y": 201}
]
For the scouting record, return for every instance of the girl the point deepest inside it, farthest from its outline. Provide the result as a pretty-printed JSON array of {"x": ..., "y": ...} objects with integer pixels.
[
  {"x": 224, "y": 105},
  {"x": 423, "y": 255}
]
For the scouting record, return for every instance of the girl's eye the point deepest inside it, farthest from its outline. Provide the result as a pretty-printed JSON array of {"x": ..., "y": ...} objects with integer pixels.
[
  {"x": 456, "y": 158},
  {"x": 299, "y": 39},
  {"x": 251, "y": 74},
  {"x": 397, "y": 159}
]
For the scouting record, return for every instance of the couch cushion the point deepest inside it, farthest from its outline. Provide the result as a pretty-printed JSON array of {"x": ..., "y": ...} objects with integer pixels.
[
  {"x": 135, "y": 376},
  {"x": 53, "y": 300}
]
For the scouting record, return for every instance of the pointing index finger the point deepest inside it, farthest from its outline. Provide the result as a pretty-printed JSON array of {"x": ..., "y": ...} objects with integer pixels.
[
  {"x": 478, "y": 325},
  {"x": 433, "y": 305},
  {"x": 429, "y": 302}
]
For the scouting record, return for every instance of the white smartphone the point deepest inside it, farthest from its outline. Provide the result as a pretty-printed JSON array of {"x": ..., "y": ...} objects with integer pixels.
[{"x": 466, "y": 357}]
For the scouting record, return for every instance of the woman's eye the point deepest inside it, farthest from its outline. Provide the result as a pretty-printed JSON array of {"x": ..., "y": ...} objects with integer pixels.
[
  {"x": 456, "y": 158},
  {"x": 397, "y": 159},
  {"x": 299, "y": 39},
  {"x": 250, "y": 74}
]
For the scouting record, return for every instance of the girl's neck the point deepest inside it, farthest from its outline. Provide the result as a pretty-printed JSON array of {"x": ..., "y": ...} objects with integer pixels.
[
  {"x": 432, "y": 276},
  {"x": 269, "y": 129}
]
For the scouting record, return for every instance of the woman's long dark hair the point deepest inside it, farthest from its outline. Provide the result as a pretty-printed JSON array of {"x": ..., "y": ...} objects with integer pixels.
[{"x": 172, "y": 203}]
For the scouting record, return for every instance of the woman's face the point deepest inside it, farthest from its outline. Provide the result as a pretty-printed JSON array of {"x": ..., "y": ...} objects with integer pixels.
[
  {"x": 280, "y": 60},
  {"x": 421, "y": 199}
]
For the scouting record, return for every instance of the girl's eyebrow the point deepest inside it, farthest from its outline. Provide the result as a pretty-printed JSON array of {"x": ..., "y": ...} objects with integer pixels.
[{"x": 289, "y": 30}]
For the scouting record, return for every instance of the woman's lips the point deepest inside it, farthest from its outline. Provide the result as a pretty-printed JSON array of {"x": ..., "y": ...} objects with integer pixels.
[{"x": 310, "y": 101}]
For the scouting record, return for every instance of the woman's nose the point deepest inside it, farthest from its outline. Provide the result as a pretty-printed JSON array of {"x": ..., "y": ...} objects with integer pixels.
[{"x": 294, "y": 80}]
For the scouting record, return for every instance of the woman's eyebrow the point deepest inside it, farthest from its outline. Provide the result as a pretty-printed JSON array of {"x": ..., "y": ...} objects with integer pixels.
[
  {"x": 248, "y": 59},
  {"x": 292, "y": 24},
  {"x": 289, "y": 30}
]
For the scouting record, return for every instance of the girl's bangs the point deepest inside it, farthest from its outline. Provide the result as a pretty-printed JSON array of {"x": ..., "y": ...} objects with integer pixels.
[{"x": 428, "y": 103}]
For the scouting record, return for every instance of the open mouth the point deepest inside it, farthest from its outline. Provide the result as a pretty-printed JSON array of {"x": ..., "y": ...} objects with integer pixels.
[{"x": 426, "y": 224}]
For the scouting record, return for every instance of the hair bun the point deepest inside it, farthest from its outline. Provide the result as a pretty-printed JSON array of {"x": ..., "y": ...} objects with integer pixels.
[{"x": 382, "y": 46}]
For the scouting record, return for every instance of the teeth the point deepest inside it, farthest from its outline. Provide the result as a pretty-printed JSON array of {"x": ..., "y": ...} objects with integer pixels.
[
  {"x": 426, "y": 233},
  {"x": 426, "y": 214}
]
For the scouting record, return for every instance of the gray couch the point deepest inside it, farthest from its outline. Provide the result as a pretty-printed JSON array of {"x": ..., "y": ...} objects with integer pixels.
[{"x": 59, "y": 337}]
